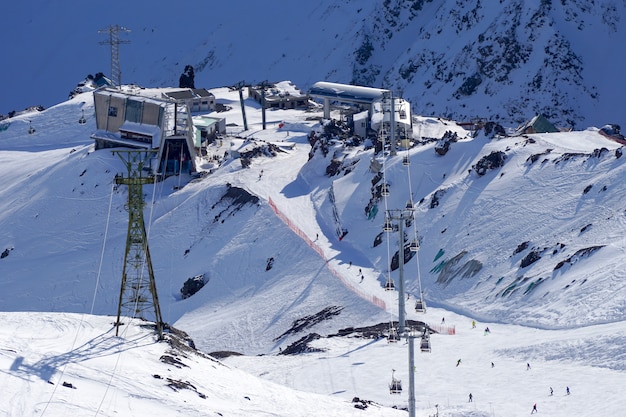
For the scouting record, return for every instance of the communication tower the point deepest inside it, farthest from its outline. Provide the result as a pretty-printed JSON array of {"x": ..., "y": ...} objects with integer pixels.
[{"x": 115, "y": 41}]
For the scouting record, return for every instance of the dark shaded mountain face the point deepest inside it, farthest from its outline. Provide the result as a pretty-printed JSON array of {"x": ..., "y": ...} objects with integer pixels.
[
  {"x": 500, "y": 60},
  {"x": 504, "y": 61}
]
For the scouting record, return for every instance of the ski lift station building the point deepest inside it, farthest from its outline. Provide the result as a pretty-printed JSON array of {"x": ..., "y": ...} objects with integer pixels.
[
  {"x": 126, "y": 119},
  {"x": 375, "y": 102}
]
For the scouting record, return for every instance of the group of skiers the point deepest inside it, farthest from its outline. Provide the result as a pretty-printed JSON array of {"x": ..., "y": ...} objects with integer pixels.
[
  {"x": 528, "y": 367},
  {"x": 534, "y": 410}
]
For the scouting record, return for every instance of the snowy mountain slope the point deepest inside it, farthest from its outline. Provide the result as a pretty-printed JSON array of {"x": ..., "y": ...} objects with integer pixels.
[
  {"x": 57, "y": 227},
  {"x": 558, "y": 359},
  {"x": 506, "y": 60},
  {"x": 56, "y": 364},
  {"x": 563, "y": 209},
  {"x": 503, "y": 61}
]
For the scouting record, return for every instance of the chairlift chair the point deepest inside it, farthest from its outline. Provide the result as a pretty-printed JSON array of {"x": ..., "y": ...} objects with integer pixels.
[
  {"x": 414, "y": 246},
  {"x": 425, "y": 342},
  {"x": 82, "y": 119},
  {"x": 31, "y": 129},
  {"x": 389, "y": 285},
  {"x": 384, "y": 190},
  {"x": 387, "y": 226},
  {"x": 395, "y": 387},
  {"x": 393, "y": 337},
  {"x": 406, "y": 161},
  {"x": 420, "y": 305}
]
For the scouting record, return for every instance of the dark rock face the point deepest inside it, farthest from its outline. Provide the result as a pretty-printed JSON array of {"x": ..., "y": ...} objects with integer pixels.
[
  {"x": 530, "y": 259},
  {"x": 494, "y": 160}
]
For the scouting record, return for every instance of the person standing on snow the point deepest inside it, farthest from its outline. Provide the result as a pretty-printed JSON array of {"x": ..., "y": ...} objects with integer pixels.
[
  {"x": 470, "y": 397},
  {"x": 458, "y": 362},
  {"x": 551, "y": 391},
  {"x": 534, "y": 409}
]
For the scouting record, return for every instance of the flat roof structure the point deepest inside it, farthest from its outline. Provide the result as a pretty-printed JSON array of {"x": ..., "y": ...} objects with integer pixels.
[{"x": 346, "y": 92}]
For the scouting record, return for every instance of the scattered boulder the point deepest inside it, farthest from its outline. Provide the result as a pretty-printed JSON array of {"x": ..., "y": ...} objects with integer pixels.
[
  {"x": 170, "y": 360},
  {"x": 492, "y": 161},
  {"x": 531, "y": 258},
  {"x": 192, "y": 286},
  {"x": 434, "y": 201},
  {"x": 442, "y": 147},
  {"x": 310, "y": 321},
  {"x": 521, "y": 247},
  {"x": 269, "y": 264},
  {"x": 302, "y": 345},
  {"x": 581, "y": 253}
]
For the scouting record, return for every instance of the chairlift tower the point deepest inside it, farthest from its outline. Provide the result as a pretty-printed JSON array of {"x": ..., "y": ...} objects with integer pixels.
[
  {"x": 239, "y": 86},
  {"x": 138, "y": 293},
  {"x": 115, "y": 41},
  {"x": 400, "y": 217},
  {"x": 388, "y": 95},
  {"x": 263, "y": 85}
]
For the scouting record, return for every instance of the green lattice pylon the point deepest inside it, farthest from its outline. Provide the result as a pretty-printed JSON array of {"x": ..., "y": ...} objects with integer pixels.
[{"x": 138, "y": 293}]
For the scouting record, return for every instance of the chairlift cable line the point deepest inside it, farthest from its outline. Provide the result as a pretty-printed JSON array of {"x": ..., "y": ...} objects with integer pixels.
[
  {"x": 385, "y": 195},
  {"x": 82, "y": 316},
  {"x": 158, "y": 189},
  {"x": 104, "y": 240},
  {"x": 126, "y": 328},
  {"x": 113, "y": 374},
  {"x": 414, "y": 218}
]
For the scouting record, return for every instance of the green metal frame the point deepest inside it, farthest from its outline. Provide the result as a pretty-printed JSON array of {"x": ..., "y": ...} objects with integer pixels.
[{"x": 138, "y": 292}]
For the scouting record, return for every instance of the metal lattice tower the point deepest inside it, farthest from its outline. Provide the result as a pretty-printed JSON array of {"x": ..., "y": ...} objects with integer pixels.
[
  {"x": 114, "y": 41},
  {"x": 138, "y": 293}
]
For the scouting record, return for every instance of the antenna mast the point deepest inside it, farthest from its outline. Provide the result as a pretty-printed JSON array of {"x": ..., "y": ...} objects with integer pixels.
[
  {"x": 138, "y": 292},
  {"x": 114, "y": 41}
]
